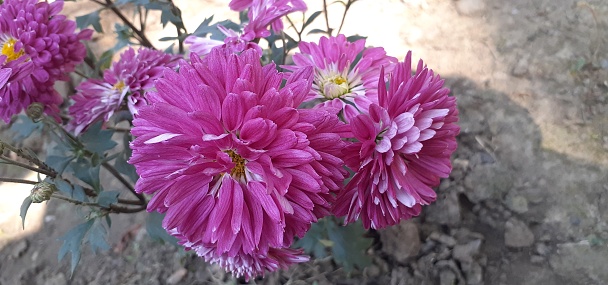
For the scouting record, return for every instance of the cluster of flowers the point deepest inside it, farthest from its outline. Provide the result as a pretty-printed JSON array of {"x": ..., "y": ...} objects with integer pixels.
[{"x": 222, "y": 143}]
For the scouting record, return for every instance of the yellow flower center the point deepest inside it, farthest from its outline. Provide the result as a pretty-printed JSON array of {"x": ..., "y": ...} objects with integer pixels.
[
  {"x": 239, "y": 165},
  {"x": 8, "y": 49},
  {"x": 119, "y": 85},
  {"x": 338, "y": 80}
]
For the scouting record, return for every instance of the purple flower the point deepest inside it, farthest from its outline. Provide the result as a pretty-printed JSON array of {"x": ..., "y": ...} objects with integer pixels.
[
  {"x": 39, "y": 46},
  {"x": 341, "y": 79},
  {"x": 237, "y": 168},
  {"x": 129, "y": 78},
  {"x": 263, "y": 13},
  {"x": 404, "y": 147}
]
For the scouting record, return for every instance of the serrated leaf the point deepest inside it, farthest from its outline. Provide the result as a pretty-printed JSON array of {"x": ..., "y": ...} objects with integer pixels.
[
  {"x": 124, "y": 167},
  {"x": 97, "y": 237},
  {"x": 97, "y": 140},
  {"x": 311, "y": 242},
  {"x": 85, "y": 171},
  {"x": 24, "y": 127},
  {"x": 63, "y": 187},
  {"x": 349, "y": 249},
  {"x": 91, "y": 19},
  {"x": 58, "y": 163},
  {"x": 72, "y": 241},
  {"x": 156, "y": 231},
  {"x": 106, "y": 198},
  {"x": 24, "y": 207}
]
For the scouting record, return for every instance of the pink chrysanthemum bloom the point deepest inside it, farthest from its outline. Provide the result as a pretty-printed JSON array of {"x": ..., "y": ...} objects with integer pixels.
[
  {"x": 233, "y": 41},
  {"x": 341, "y": 80},
  {"x": 237, "y": 169},
  {"x": 263, "y": 13},
  {"x": 403, "y": 149},
  {"x": 248, "y": 265},
  {"x": 39, "y": 46},
  {"x": 124, "y": 84}
]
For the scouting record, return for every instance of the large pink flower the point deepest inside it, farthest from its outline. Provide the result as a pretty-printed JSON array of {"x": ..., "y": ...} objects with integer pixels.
[
  {"x": 346, "y": 74},
  {"x": 124, "y": 84},
  {"x": 236, "y": 167},
  {"x": 39, "y": 46},
  {"x": 404, "y": 147}
]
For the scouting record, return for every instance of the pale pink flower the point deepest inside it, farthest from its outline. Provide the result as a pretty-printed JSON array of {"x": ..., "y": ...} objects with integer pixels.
[
  {"x": 403, "y": 148},
  {"x": 234, "y": 165},
  {"x": 124, "y": 84},
  {"x": 346, "y": 74}
]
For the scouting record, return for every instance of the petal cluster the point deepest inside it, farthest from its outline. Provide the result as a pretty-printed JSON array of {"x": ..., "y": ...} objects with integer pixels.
[
  {"x": 123, "y": 84},
  {"x": 346, "y": 73},
  {"x": 403, "y": 148},
  {"x": 236, "y": 167},
  {"x": 39, "y": 47}
]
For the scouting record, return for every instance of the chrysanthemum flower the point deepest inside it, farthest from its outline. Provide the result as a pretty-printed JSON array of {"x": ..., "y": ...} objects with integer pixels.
[
  {"x": 403, "y": 149},
  {"x": 236, "y": 167},
  {"x": 233, "y": 41},
  {"x": 39, "y": 46},
  {"x": 263, "y": 13},
  {"x": 127, "y": 80},
  {"x": 342, "y": 80}
]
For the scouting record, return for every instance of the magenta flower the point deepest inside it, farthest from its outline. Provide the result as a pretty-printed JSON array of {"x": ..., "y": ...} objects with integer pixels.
[
  {"x": 237, "y": 168},
  {"x": 39, "y": 46},
  {"x": 341, "y": 81},
  {"x": 127, "y": 80},
  {"x": 233, "y": 41},
  {"x": 404, "y": 147},
  {"x": 263, "y": 13}
]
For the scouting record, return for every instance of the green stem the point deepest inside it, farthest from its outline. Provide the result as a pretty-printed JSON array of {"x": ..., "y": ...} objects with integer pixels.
[
  {"x": 15, "y": 180},
  {"x": 29, "y": 167}
]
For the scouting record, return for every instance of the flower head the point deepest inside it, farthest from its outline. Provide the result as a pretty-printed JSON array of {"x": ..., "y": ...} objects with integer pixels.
[
  {"x": 128, "y": 79},
  {"x": 235, "y": 166},
  {"x": 342, "y": 80},
  {"x": 263, "y": 13},
  {"x": 38, "y": 47},
  {"x": 404, "y": 147}
]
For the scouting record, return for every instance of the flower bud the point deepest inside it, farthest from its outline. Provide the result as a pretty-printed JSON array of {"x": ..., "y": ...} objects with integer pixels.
[
  {"x": 42, "y": 192},
  {"x": 34, "y": 111}
]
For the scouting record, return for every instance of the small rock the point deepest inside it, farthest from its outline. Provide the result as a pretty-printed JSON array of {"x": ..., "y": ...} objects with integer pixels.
[
  {"x": 517, "y": 203},
  {"x": 372, "y": 271},
  {"x": 470, "y": 7},
  {"x": 445, "y": 211},
  {"x": 177, "y": 276},
  {"x": 521, "y": 67},
  {"x": 444, "y": 239},
  {"x": 581, "y": 262},
  {"x": 473, "y": 273},
  {"x": 58, "y": 279},
  {"x": 19, "y": 249},
  {"x": 402, "y": 241},
  {"x": 447, "y": 277},
  {"x": 466, "y": 252},
  {"x": 537, "y": 259},
  {"x": 542, "y": 249},
  {"x": 517, "y": 234}
]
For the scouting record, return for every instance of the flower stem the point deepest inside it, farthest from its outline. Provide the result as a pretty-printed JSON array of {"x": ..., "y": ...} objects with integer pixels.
[
  {"x": 329, "y": 30},
  {"x": 15, "y": 180},
  {"x": 140, "y": 34},
  {"x": 29, "y": 167},
  {"x": 126, "y": 183},
  {"x": 112, "y": 208}
]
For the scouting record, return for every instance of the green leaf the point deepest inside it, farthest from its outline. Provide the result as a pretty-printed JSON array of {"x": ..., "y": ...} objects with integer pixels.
[
  {"x": 24, "y": 207},
  {"x": 75, "y": 192},
  {"x": 316, "y": 31},
  {"x": 156, "y": 231},
  {"x": 58, "y": 163},
  {"x": 124, "y": 167},
  {"x": 106, "y": 198},
  {"x": 85, "y": 171},
  {"x": 97, "y": 237},
  {"x": 311, "y": 19},
  {"x": 105, "y": 60},
  {"x": 312, "y": 242},
  {"x": 91, "y": 19},
  {"x": 71, "y": 243},
  {"x": 355, "y": 38},
  {"x": 349, "y": 249},
  {"x": 24, "y": 127},
  {"x": 97, "y": 140}
]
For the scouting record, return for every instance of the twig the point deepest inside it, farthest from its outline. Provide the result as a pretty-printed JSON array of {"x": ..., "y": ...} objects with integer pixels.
[
  {"x": 329, "y": 30},
  {"x": 126, "y": 183},
  {"x": 346, "y": 7},
  {"x": 294, "y": 27},
  {"x": 112, "y": 208},
  {"x": 29, "y": 167},
  {"x": 141, "y": 35},
  {"x": 15, "y": 180}
]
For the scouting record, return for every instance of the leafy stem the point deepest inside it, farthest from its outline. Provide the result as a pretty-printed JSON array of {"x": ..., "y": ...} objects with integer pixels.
[
  {"x": 111, "y": 208},
  {"x": 141, "y": 36}
]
